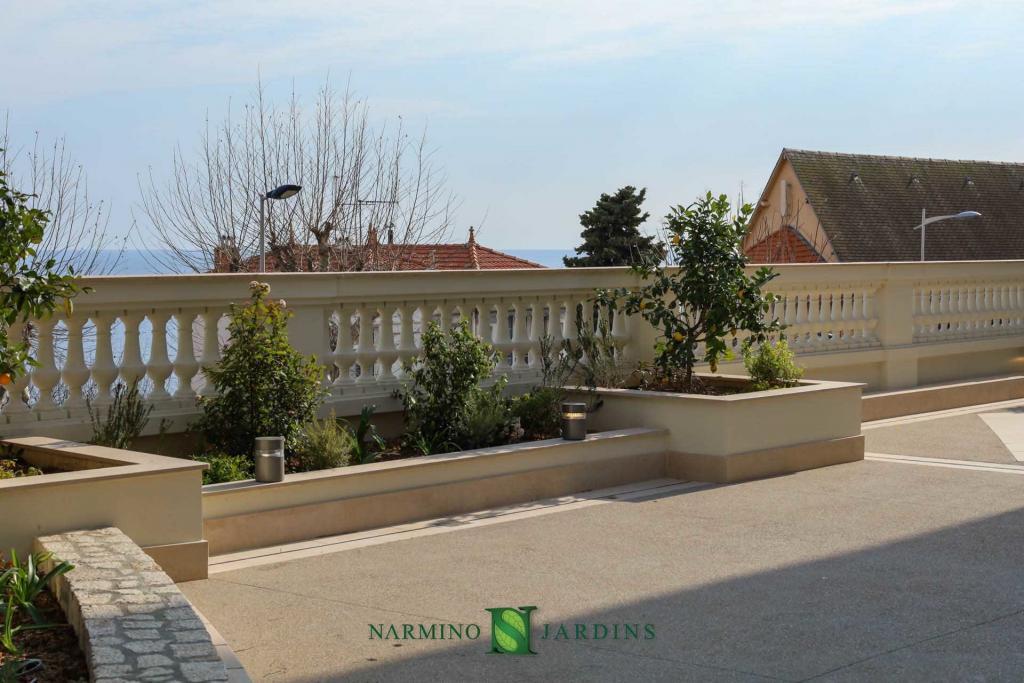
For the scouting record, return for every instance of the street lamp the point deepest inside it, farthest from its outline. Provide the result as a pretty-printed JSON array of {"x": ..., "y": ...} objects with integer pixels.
[
  {"x": 280, "y": 192},
  {"x": 936, "y": 219}
]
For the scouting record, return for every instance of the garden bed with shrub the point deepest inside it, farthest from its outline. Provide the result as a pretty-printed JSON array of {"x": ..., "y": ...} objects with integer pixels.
[{"x": 264, "y": 387}]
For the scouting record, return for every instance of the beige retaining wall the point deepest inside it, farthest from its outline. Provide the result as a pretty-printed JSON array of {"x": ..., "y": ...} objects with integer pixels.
[
  {"x": 153, "y": 499},
  {"x": 242, "y": 515}
]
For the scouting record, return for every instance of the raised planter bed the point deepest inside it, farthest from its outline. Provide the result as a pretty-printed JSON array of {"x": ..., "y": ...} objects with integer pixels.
[
  {"x": 155, "y": 500},
  {"x": 243, "y": 515},
  {"x": 740, "y": 436}
]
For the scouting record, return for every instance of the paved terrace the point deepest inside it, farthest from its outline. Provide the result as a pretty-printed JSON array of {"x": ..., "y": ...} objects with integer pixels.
[{"x": 904, "y": 567}]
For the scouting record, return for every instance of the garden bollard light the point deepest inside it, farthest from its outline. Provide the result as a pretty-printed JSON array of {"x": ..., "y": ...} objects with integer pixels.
[
  {"x": 574, "y": 421},
  {"x": 269, "y": 458}
]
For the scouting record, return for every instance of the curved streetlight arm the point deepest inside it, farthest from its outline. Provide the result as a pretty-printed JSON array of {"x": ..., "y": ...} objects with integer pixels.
[
  {"x": 957, "y": 216},
  {"x": 935, "y": 219}
]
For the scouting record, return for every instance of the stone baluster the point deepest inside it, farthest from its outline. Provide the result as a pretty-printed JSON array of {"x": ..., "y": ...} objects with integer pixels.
[
  {"x": 211, "y": 347},
  {"x": 46, "y": 374},
  {"x": 406, "y": 338},
  {"x": 788, "y": 316},
  {"x": 75, "y": 372},
  {"x": 800, "y": 303},
  {"x": 555, "y": 330},
  {"x": 186, "y": 366},
  {"x": 132, "y": 368},
  {"x": 365, "y": 351},
  {"x": 851, "y": 322},
  {"x": 959, "y": 307},
  {"x": 104, "y": 371},
  {"x": 444, "y": 316},
  {"x": 502, "y": 340},
  {"x": 16, "y": 408},
  {"x": 520, "y": 335},
  {"x": 388, "y": 350},
  {"x": 344, "y": 349},
  {"x": 159, "y": 368},
  {"x": 537, "y": 333}
]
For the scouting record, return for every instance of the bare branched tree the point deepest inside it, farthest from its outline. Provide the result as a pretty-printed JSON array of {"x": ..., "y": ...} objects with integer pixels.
[
  {"x": 78, "y": 233},
  {"x": 355, "y": 178}
]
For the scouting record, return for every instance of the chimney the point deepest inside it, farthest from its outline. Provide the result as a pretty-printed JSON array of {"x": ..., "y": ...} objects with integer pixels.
[
  {"x": 474, "y": 261},
  {"x": 391, "y": 233},
  {"x": 226, "y": 257}
]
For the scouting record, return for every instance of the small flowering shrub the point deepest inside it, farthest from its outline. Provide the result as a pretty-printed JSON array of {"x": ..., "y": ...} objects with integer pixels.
[
  {"x": 705, "y": 297},
  {"x": 264, "y": 386},
  {"x": 771, "y": 365}
]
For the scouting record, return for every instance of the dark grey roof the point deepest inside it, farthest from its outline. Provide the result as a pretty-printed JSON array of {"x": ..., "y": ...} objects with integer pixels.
[{"x": 868, "y": 205}]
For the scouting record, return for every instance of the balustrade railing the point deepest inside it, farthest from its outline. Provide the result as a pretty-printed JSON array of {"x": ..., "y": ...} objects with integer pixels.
[{"x": 365, "y": 327}]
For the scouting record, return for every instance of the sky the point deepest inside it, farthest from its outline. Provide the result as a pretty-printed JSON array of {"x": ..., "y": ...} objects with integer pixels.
[{"x": 533, "y": 107}]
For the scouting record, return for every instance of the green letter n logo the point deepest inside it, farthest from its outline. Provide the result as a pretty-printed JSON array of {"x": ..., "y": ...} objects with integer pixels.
[{"x": 510, "y": 630}]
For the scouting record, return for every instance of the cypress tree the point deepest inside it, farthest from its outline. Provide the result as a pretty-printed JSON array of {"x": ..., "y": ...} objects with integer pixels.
[{"x": 610, "y": 232}]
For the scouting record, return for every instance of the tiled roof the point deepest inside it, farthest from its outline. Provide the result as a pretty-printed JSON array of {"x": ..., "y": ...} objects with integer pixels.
[
  {"x": 783, "y": 246},
  {"x": 868, "y": 205},
  {"x": 381, "y": 256}
]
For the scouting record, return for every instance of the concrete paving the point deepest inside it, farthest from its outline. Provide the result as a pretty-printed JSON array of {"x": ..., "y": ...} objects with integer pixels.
[
  {"x": 872, "y": 571},
  {"x": 959, "y": 437}
]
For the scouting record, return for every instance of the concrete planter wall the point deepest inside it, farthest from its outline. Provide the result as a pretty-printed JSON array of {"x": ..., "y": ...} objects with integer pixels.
[
  {"x": 748, "y": 435},
  {"x": 154, "y": 500},
  {"x": 242, "y": 515}
]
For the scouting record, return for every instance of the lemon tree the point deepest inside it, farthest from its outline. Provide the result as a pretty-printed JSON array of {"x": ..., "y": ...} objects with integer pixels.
[
  {"x": 29, "y": 287},
  {"x": 706, "y": 295}
]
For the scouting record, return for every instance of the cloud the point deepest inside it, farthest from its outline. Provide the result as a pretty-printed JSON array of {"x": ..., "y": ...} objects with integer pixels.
[{"x": 56, "y": 49}]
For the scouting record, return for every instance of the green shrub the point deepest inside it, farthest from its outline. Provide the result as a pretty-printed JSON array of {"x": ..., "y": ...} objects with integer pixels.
[
  {"x": 445, "y": 384},
  {"x": 489, "y": 419},
  {"x": 706, "y": 296},
  {"x": 771, "y": 366},
  {"x": 264, "y": 386},
  {"x": 324, "y": 444},
  {"x": 539, "y": 412},
  {"x": 31, "y": 285},
  {"x": 225, "y": 467},
  {"x": 366, "y": 442},
  {"x": 126, "y": 417}
]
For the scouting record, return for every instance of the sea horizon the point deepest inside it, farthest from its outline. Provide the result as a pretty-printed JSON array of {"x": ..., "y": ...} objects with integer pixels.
[{"x": 160, "y": 261}]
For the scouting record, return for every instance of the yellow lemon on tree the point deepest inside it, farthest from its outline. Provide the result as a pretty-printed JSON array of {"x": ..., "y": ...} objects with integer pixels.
[{"x": 678, "y": 336}]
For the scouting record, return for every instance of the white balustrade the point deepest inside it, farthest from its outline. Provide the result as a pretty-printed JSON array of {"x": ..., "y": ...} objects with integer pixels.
[
  {"x": 966, "y": 310},
  {"x": 367, "y": 327}
]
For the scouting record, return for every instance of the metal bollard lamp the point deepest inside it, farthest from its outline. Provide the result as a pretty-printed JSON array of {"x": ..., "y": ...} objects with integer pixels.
[
  {"x": 269, "y": 452},
  {"x": 574, "y": 421}
]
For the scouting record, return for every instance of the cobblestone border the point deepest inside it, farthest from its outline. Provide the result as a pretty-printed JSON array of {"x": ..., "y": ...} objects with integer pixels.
[{"x": 132, "y": 621}]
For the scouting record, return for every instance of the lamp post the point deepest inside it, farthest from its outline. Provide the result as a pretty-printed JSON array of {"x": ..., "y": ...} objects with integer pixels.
[
  {"x": 280, "y": 192},
  {"x": 928, "y": 221}
]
